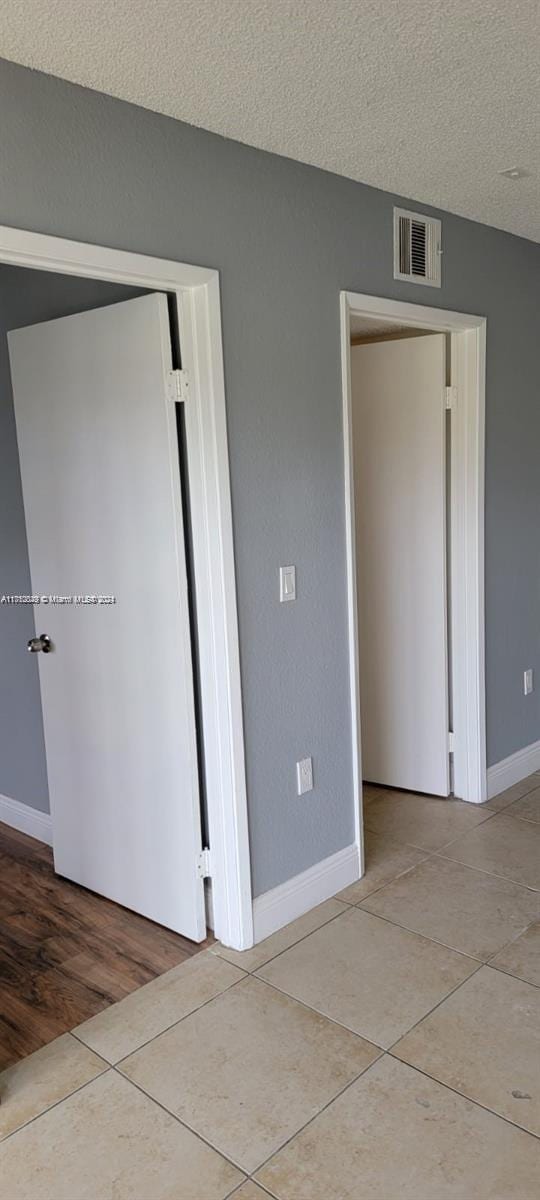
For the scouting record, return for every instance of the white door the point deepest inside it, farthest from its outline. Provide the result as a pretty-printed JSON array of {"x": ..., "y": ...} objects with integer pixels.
[
  {"x": 399, "y": 420},
  {"x": 101, "y": 485}
]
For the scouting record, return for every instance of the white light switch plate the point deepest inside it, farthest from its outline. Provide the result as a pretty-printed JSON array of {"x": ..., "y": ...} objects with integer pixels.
[
  {"x": 304, "y": 776},
  {"x": 528, "y": 682},
  {"x": 287, "y": 584}
]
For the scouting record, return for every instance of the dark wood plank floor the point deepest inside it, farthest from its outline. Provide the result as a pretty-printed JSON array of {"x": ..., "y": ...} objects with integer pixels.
[{"x": 65, "y": 953}]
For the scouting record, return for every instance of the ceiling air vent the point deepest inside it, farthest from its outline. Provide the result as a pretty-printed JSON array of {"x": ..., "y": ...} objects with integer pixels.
[{"x": 417, "y": 248}]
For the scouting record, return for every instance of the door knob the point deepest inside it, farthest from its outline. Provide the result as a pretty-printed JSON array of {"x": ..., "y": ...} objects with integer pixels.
[{"x": 43, "y": 642}]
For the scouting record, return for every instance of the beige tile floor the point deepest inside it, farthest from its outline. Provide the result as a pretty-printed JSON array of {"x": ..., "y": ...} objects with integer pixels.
[{"x": 383, "y": 1045}]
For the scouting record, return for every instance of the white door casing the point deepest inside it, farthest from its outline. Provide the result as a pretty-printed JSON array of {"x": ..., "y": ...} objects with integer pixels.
[
  {"x": 399, "y": 440},
  {"x": 97, "y": 437},
  {"x": 468, "y": 377}
]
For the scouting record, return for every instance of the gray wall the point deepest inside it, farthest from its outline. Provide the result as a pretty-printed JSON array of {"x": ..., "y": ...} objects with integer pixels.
[
  {"x": 26, "y": 298},
  {"x": 287, "y": 238}
]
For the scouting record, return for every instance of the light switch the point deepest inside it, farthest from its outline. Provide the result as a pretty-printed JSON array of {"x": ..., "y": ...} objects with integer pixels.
[
  {"x": 304, "y": 776},
  {"x": 287, "y": 583}
]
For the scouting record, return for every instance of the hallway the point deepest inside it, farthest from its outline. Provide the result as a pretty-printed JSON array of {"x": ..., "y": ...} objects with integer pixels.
[{"x": 381, "y": 1045}]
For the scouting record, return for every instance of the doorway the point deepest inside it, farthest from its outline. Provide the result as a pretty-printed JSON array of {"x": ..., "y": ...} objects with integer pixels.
[
  {"x": 108, "y": 913},
  {"x": 195, "y": 298},
  {"x": 457, "y": 343}
]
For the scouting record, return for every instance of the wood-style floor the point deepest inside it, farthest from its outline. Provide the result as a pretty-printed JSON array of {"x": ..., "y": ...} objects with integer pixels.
[{"x": 65, "y": 953}]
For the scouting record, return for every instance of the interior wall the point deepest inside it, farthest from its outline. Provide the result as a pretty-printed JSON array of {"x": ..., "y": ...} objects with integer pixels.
[
  {"x": 287, "y": 238},
  {"x": 27, "y": 298}
]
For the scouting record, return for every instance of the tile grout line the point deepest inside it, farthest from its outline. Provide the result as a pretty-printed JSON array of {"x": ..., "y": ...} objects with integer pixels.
[
  {"x": 429, "y": 851},
  {"x": 363, "y": 1037},
  {"x": 252, "y": 970},
  {"x": 217, "y": 1149},
  {"x": 426, "y": 936},
  {"x": 391, "y": 1049},
  {"x": 463, "y": 1095},
  {"x": 387, "y": 921},
  {"x": 236, "y": 1191},
  {"x": 380, "y": 1049},
  {"x": 379, "y": 887},
  {"x": 445, "y": 945},
  {"x": 56, "y": 1103},
  {"x": 161, "y": 1031},
  {"x": 493, "y": 874},
  {"x": 183, "y": 1124},
  {"x": 491, "y": 963},
  {"x": 252, "y": 974},
  {"x": 500, "y": 812},
  {"x": 315, "y": 1116},
  {"x": 411, "y": 1067},
  {"x": 510, "y": 974},
  {"x": 113, "y": 1066},
  {"x": 443, "y": 1000}
]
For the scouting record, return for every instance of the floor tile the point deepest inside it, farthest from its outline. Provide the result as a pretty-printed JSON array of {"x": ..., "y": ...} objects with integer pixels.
[
  {"x": 127, "y": 1025},
  {"x": 424, "y": 821},
  {"x": 369, "y": 975},
  {"x": 384, "y": 860},
  {"x": 463, "y": 908},
  {"x": 528, "y": 807},
  {"x": 522, "y": 957},
  {"x": 484, "y": 1041},
  {"x": 512, "y": 793},
  {"x": 504, "y": 846},
  {"x": 110, "y": 1141},
  {"x": 395, "y": 1133},
  {"x": 35, "y": 1083},
  {"x": 249, "y": 960},
  {"x": 249, "y": 1069}
]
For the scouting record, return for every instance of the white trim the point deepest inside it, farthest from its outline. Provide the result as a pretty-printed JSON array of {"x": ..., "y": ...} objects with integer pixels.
[
  {"x": 468, "y": 419},
  {"x": 290, "y": 900},
  {"x": 513, "y": 769},
  {"x": 352, "y": 602},
  {"x": 26, "y": 819},
  {"x": 209, "y": 904},
  {"x": 197, "y": 290}
]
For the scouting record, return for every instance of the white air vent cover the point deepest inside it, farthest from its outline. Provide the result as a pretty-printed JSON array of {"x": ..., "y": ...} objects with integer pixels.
[{"x": 417, "y": 248}]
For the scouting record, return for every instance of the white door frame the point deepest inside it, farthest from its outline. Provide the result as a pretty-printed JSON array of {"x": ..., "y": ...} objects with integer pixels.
[
  {"x": 199, "y": 315},
  {"x": 467, "y": 531}
]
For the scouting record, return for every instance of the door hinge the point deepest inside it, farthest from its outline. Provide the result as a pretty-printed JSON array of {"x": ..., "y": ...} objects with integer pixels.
[
  {"x": 451, "y": 397},
  {"x": 178, "y": 386},
  {"x": 451, "y": 742},
  {"x": 204, "y": 864}
]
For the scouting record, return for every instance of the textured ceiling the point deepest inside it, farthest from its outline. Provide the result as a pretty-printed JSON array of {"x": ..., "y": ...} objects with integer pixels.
[{"x": 427, "y": 98}]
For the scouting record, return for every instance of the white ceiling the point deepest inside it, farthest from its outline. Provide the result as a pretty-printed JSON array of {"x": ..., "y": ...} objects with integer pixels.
[{"x": 428, "y": 98}]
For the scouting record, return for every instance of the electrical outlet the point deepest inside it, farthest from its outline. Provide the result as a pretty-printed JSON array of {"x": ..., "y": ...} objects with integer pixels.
[
  {"x": 528, "y": 682},
  {"x": 304, "y": 776}
]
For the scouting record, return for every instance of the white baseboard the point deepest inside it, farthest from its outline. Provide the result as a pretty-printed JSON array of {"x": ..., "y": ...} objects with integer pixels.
[
  {"x": 27, "y": 820},
  {"x": 513, "y": 769},
  {"x": 290, "y": 900}
]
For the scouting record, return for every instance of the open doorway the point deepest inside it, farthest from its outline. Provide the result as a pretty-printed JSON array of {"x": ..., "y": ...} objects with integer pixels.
[
  {"x": 99, "y": 730},
  {"x": 413, "y": 388},
  {"x": 194, "y": 298}
]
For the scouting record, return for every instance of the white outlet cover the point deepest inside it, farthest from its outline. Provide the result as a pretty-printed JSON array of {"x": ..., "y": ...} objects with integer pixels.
[{"x": 304, "y": 776}]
